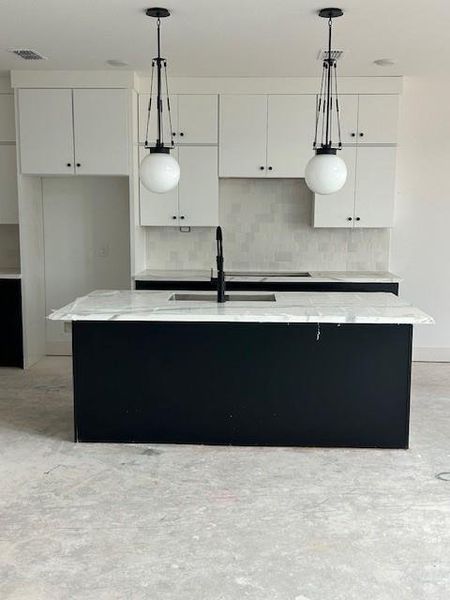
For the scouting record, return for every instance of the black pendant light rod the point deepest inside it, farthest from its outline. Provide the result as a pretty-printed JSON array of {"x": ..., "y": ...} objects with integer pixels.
[
  {"x": 327, "y": 129},
  {"x": 158, "y": 97}
]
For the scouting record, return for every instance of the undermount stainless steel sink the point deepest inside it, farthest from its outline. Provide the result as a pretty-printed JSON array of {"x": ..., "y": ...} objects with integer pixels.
[
  {"x": 267, "y": 274},
  {"x": 229, "y": 297}
]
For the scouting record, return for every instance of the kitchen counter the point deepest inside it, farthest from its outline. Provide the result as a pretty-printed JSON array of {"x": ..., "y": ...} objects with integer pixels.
[
  {"x": 310, "y": 369},
  {"x": 9, "y": 273},
  {"x": 290, "y": 307},
  {"x": 199, "y": 275}
]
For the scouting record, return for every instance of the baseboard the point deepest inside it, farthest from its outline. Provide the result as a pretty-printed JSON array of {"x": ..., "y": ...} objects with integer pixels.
[
  {"x": 431, "y": 354},
  {"x": 58, "y": 348}
]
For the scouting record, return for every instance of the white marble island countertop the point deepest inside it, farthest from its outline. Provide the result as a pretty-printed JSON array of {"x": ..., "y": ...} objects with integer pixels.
[
  {"x": 261, "y": 276},
  {"x": 289, "y": 307}
]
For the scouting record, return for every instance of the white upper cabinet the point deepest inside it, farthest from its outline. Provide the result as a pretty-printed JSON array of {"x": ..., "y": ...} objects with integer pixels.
[
  {"x": 367, "y": 198},
  {"x": 195, "y": 202},
  {"x": 101, "y": 131},
  {"x": 338, "y": 210},
  {"x": 369, "y": 135},
  {"x": 158, "y": 209},
  {"x": 48, "y": 119},
  {"x": 290, "y": 134},
  {"x": 194, "y": 119},
  {"x": 266, "y": 136},
  {"x": 7, "y": 119},
  {"x": 46, "y": 131},
  {"x": 152, "y": 126},
  {"x": 243, "y": 135},
  {"x": 377, "y": 119},
  {"x": 197, "y": 119},
  {"x": 369, "y": 119},
  {"x": 198, "y": 190},
  {"x": 375, "y": 187},
  {"x": 348, "y": 110},
  {"x": 8, "y": 188}
]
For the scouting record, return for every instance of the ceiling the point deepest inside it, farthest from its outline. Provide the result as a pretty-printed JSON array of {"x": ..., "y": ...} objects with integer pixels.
[{"x": 255, "y": 38}]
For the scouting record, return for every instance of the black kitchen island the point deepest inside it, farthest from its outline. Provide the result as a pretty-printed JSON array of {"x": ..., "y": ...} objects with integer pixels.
[{"x": 305, "y": 369}]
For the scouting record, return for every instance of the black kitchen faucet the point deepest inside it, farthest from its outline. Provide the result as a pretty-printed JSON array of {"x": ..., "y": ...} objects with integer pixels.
[{"x": 221, "y": 297}]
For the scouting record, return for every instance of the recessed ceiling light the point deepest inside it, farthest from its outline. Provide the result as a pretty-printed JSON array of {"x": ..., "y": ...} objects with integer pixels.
[
  {"x": 113, "y": 62},
  {"x": 385, "y": 62}
]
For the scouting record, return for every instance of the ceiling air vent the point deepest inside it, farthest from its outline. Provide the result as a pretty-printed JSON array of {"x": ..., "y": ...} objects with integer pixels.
[
  {"x": 27, "y": 54},
  {"x": 335, "y": 54}
]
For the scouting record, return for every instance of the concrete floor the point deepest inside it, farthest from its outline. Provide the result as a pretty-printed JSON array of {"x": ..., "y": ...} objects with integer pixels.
[{"x": 128, "y": 522}]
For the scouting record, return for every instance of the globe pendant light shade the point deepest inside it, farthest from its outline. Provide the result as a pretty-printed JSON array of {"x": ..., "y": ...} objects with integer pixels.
[
  {"x": 159, "y": 172},
  {"x": 325, "y": 174}
]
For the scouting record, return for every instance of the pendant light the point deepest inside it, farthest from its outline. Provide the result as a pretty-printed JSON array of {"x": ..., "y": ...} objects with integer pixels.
[
  {"x": 159, "y": 171},
  {"x": 326, "y": 172}
]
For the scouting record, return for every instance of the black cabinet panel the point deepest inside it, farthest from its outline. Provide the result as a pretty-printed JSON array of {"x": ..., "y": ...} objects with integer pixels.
[
  {"x": 242, "y": 383},
  {"x": 11, "y": 347}
]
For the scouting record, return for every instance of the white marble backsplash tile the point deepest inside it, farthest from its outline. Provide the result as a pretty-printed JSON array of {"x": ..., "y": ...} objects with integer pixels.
[{"x": 267, "y": 225}]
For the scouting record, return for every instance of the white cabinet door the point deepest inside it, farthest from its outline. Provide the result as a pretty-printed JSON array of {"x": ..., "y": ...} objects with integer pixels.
[
  {"x": 377, "y": 119},
  {"x": 197, "y": 119},
  {"x": 143, "y": 114},
  {"x": 8, "y": 185},
  {"x": 198, "y": 190},
  {"x": 101, "y": 131},
  {"x": 7, "y": 125},
  {"x": 158, "y": 209},
  {"x": 375, "y": 187},
  {"x": 348, "y": 110},
  {"x": 46, "y": 132},
  {"x": 290, "y": 134},
  {"x": 337, "y": 210},
  {"x": 243, "y": 135}
]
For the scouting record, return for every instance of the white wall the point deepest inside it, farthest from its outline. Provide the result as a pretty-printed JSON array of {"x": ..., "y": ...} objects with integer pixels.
[
  {"x": 87, "y": 243},
  {"x": 420, "y": 249},
  {"x": 32, "y": 268}
]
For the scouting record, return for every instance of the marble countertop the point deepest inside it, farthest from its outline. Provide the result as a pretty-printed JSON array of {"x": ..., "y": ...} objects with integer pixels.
[
  {"x": 290, "y": 307},
  {"x": 9, "y": 273},
  {"x": 316, "y": 276}
]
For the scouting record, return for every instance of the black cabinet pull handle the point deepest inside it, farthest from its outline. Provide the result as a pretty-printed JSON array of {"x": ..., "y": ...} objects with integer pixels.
[
  {"x": 358, "y": 218},
  {"x": 174, "y": 217},
  {"x": 182, "y": 217},
  {"x": 78, "y": 165},
  {"x": 261, "y": 168},
  {"x": 349, "y": 219},
  {"x": 174, "y": 133},
  {"x": 361, "y": 134},
  {"x": 270, "y": 169},
  {"x": 69, "y": 164},
  {"x": 182, "y": 134},
  {"x": 353, "y": 134}
]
